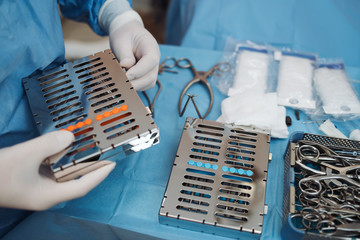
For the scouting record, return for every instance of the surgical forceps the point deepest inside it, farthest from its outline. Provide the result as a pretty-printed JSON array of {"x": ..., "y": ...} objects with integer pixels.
[
  {"x": 165, "y": 66},
  {"x": 199, "y": 77},
  {"x": 312, "y": 154}
]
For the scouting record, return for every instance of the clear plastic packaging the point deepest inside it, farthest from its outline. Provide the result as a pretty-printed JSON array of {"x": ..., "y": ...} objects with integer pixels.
[
  {"x": 251, "y": 68},
  {"x": 335, "y": 92},
  {"x": 295, "y": 80}
]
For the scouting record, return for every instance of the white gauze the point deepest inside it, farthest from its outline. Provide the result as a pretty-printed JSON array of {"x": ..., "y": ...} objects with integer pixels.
[
  {"x": 251, "y": 72},
  {"x": 295, "y": 82},
  {"x": 335, "y": 92},
  {"x": 256, "y": 110}
]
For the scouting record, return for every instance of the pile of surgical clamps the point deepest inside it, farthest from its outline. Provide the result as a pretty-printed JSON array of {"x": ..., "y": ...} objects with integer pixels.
[{"x": 322, "y": 187}]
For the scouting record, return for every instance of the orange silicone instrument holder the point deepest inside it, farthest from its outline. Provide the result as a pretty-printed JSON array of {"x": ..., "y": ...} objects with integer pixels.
[
  {"x": 78, "y": 125},
  {"x": 99, "y": 117}
]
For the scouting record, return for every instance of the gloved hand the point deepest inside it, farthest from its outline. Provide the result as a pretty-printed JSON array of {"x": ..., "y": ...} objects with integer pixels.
[
  {"x": 134, "y": 47},
  {"x": 23, "y": 187},
  {"x": 138, "y": 52}
]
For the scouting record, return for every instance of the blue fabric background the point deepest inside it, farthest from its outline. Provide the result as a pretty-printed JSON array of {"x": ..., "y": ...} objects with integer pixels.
[
  {"x": 330, "y": 28},
  {"x": 126, "y": 204}
]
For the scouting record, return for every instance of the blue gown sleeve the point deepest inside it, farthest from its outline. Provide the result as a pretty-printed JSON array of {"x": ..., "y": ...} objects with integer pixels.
[{"x": 84, "y": 11}]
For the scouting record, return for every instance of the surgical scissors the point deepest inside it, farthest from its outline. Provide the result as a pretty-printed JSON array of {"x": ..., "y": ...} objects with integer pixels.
[
  {"x": 312, "y": 154},
  {"x": 200, "y": 77}
]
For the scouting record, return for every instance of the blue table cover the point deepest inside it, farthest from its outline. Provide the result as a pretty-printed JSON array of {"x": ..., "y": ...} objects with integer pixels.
[{"x": 126, "y": 204}]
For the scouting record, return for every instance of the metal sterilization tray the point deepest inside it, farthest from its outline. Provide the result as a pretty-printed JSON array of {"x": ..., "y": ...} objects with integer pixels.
[
  {"x": 218, "y": 180},
  {"x": 92, "y": 98}
]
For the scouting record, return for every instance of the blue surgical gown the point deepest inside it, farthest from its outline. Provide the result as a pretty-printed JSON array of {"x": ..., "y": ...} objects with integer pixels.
[
  {"x": 330, "y": 28},
  {"x": 31, "y": 39}
]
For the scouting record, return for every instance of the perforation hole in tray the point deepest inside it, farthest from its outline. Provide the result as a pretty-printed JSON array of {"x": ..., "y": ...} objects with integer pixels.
[
  {"x": 199, "y": 179},
  {"x": 243, "y": 138},
  {"x": 91, "y": 85},
  {"x": 236, "y": 185},
  {"x": 111, "y": 105},
  {"x": 63, "y": 94},
  {"x": 123, "y": 132},
  {"x": 192, "y": 201},
  {"x": 211, "y": 127},
  {"x": 194, "y": 193},
  {"x": 108, "y": 99},
  {"x": 119, "y": 125},
  {"x": 54, "y": 86},
  {"x": 71, "y": 121},
  {"x": 102, "y": 69},
  {"x": 191, "y": 170},
  {"x": 92, "y": 78},
  {"x": 100, "y": 88},
  {"x": 68, "y": 107},
  {"x": 86, "y": 62},
  {"x": 233, "y": 209},
  {"x": 237, "y": 157},
  {"x": 51, "y": 75},
  {"x": 204, "y": 158},
  {"x": 189, "y": 209},
  {"x": 63, "y": 102},
  {"x": 206, "y": 145},
  {"x": 209, "y": 133},
  {"x": 240, "y": 144},
  {"x": 235, "y": 193},
  {"x": 237, "y": 178},
  {"x": 233, "y": 200},
  {"x": 198, "y": 150},
  {"x": 54, "y": 80},
  {"x": 243, "y": 132},
  {"x": 197, "y": 186},
  {"x": 103, "y": 94},
  {"x": 239, "y": 150},
  {"x": 58, "y": 118},
  {"x": 231, "y": 217},
  {"x": 238, "y": 164},
  {"x": 208, "y": 139},
  {"x": 89, "y": 67}
]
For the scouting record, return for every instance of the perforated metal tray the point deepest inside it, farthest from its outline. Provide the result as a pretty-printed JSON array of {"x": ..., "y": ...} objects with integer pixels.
[
  {"x": 218, "y": 180},
  {"x": 92, "y": 98}
]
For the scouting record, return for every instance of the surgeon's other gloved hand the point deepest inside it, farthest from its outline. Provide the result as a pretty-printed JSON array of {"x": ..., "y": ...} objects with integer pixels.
[
  {"x": 135, "y": 48},
  {"x": 23, "y": 187}
]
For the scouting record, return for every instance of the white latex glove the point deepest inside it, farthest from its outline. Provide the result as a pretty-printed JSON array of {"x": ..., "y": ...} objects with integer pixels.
[
  {"x": 138, "y": 52},
  {"x": 23, "y": 187},
  {"x": 134, "y": 47}
]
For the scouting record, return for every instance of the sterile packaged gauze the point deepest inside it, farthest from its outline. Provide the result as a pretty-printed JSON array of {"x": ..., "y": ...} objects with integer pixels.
[
  {"x": 334, "y": 89},
  {"x": 252, "y": 69},
  {"x": 295, "y": 80},
  {"x": 251, "y": 65}
]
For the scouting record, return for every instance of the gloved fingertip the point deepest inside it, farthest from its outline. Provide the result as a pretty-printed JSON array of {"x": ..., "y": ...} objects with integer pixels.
[
  {"x": 127, "y": 62},
  {"x": 65, "y": 136},
  {"x": 111, "y": 166},
  {"x": 130, "y": 76}
]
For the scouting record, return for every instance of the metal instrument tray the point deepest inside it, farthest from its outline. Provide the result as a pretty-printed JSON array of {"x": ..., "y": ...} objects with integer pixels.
[
  {"x": 92, "y": 98},
  {"x": 291, "y": 190},
  {"x": 218, "y": 180}
]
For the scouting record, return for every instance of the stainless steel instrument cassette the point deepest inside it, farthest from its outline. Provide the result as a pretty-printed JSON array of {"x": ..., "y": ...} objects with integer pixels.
[
  {"x": 218, "y": 180},
  {"x": 92, "y": 98}
]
